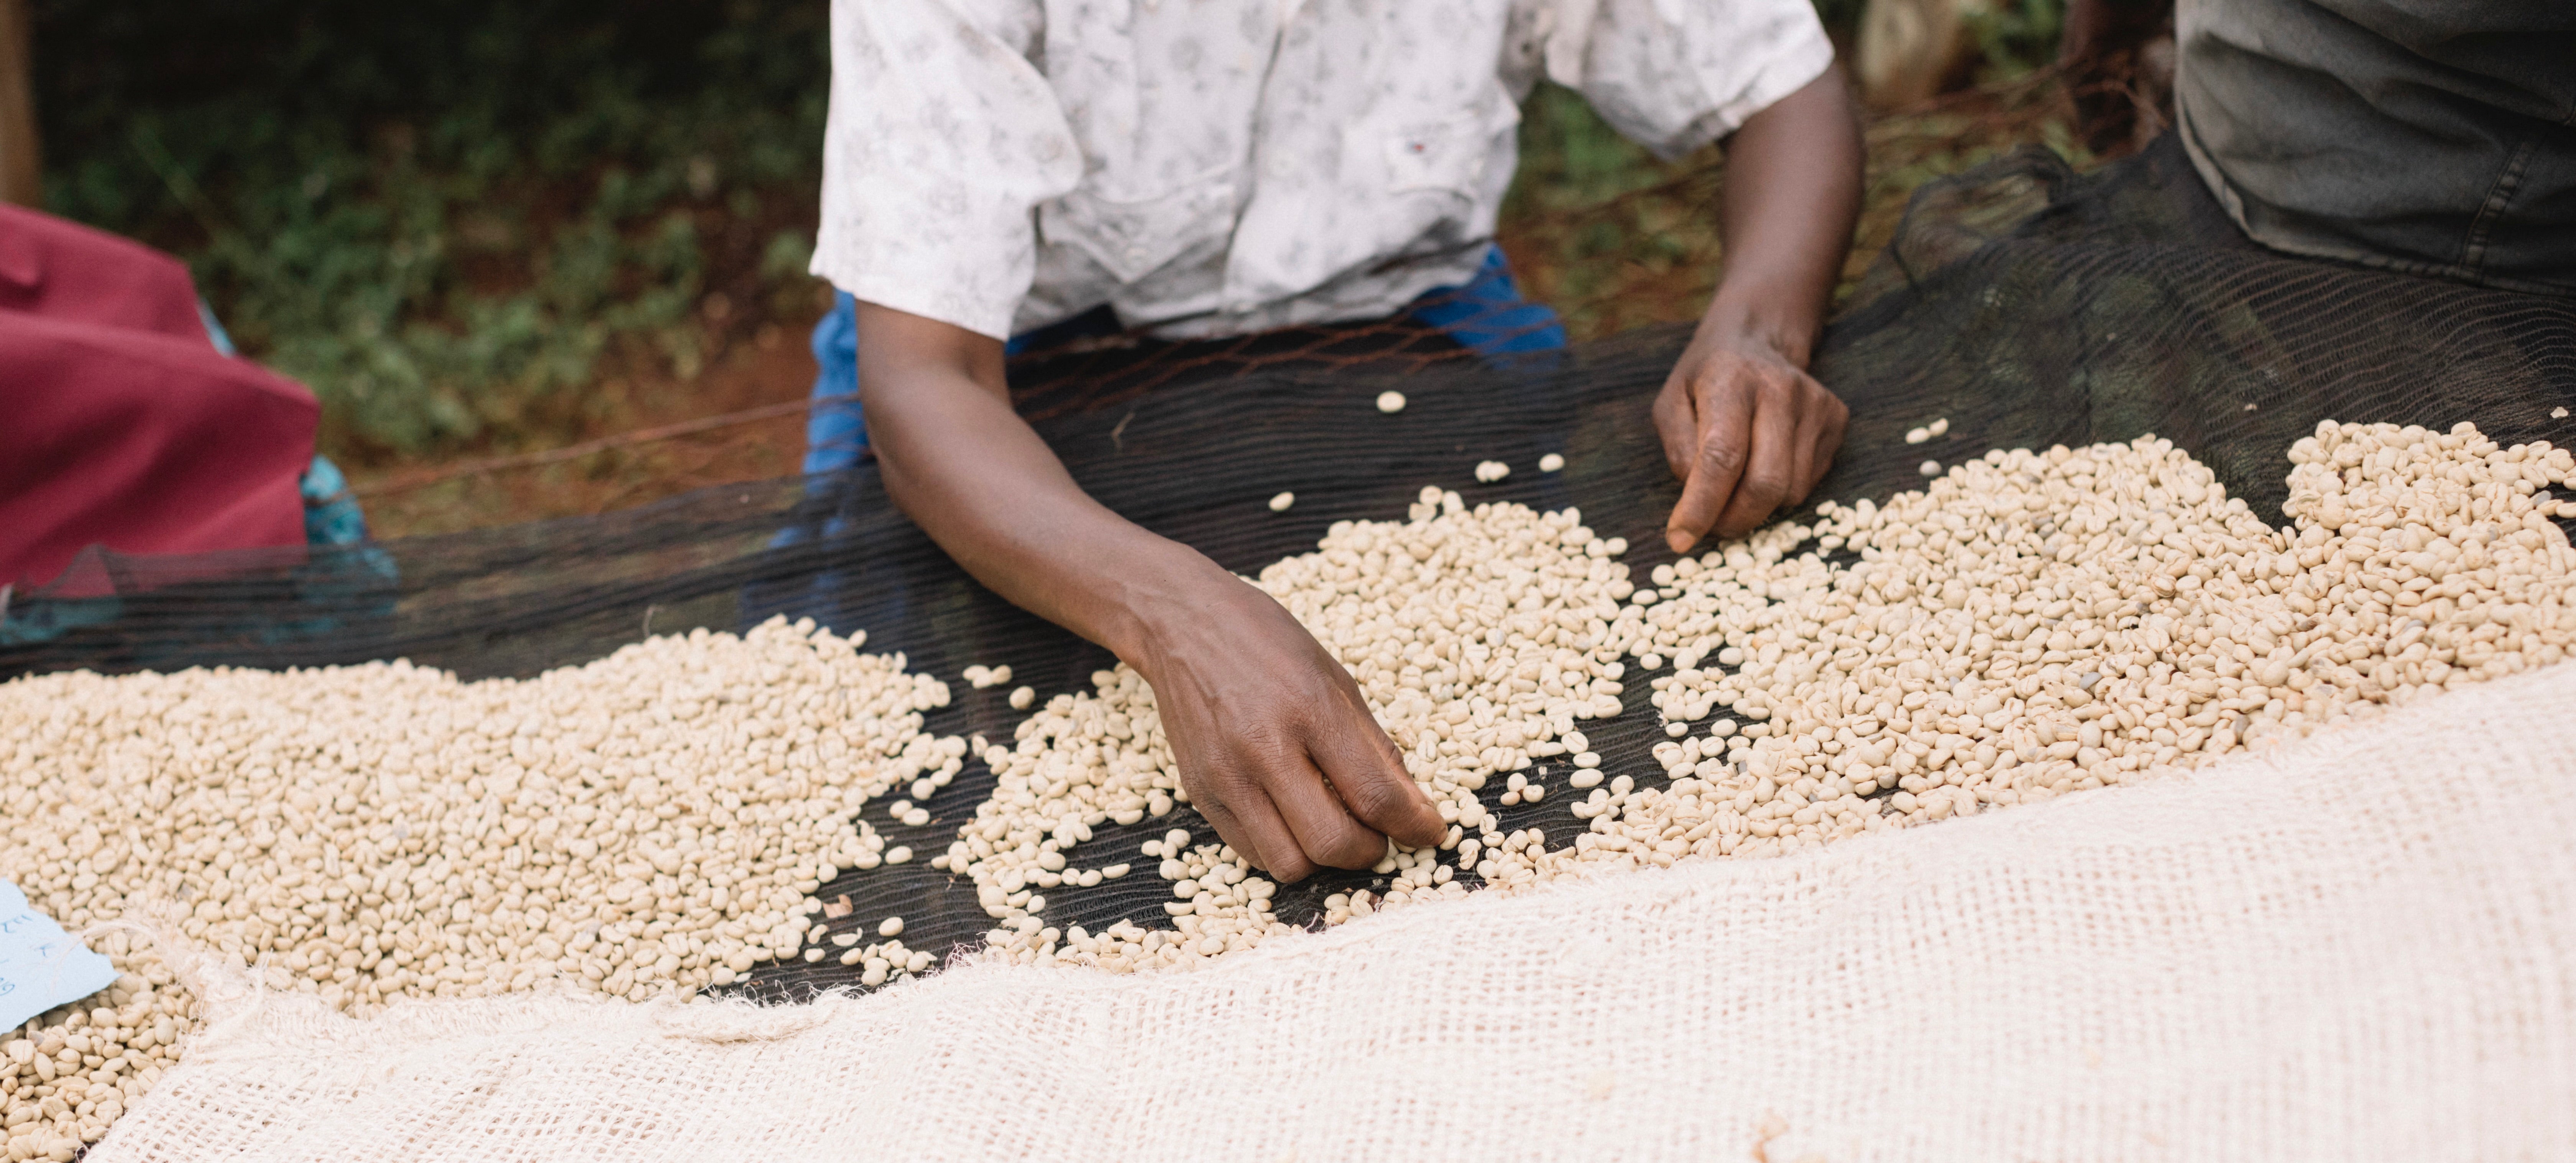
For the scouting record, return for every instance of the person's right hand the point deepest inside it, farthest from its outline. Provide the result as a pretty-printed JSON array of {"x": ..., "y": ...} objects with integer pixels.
[
  {"x": 1746, "y": 430},
  {"x": 1275, "y": 744}
]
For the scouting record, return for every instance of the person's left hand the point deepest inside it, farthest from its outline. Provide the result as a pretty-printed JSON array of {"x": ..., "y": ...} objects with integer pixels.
[{"x": 1746, "y": 429}]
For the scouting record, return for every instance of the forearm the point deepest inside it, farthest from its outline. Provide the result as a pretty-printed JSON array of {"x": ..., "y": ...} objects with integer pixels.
[
  {"x": 971, "y": 473},
  {"x": 1792, "y": 194},
  {"x": 1744, "y": 426}
]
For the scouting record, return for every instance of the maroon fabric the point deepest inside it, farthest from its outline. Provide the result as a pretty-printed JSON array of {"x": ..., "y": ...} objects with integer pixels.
[
  {"x": 120, "y": 424},
  {"x": 64, "y": 270}
]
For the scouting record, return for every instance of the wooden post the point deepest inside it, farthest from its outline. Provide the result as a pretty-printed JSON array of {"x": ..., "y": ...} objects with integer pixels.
[{"x": 21, "y": 168}]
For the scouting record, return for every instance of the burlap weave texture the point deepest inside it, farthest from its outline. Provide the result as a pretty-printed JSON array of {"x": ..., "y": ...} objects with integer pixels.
[{"x": 2360, "y": 947}]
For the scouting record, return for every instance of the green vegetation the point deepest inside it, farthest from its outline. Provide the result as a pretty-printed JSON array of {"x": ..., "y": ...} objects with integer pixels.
[{"x": 446, "y": 216}]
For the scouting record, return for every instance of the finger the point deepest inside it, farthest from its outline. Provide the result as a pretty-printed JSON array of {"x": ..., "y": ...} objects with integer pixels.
[
  {"x": 1222, "y": 819},
  {"x": 1725, "y": 436},
  {"x": 1816, "y": 415},
  {"x": 1829, "y": 440},
  {"x": 1248, "y": 821},
  {"x": 1765, "y": 481},
  {"x": 1804, "y": 455},
  {"x": 1801, "y": 456},
  {"x": 1367, "y": 773},
  {"x": 1677, "y": 424},
  {"x": 1326, "y": 832}
]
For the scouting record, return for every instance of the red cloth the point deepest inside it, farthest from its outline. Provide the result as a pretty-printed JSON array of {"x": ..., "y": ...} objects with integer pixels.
[{"x": 120, "y": 424}]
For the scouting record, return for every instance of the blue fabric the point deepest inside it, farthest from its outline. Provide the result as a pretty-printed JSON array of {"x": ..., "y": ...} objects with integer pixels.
[
  {"x": 331, "y": 515},
  {"x": 361, "y": 578},
  {"x": 215, "y": 333},
  {"x": 835, "y": 433},
  {"x": 1488, "y": 316},
  {"x": 836, "y": 437}
]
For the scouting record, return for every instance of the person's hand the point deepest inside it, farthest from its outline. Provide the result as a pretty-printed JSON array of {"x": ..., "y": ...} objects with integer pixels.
[
  {"x": 1275, "y": 744},
  {"x": 1744, "y": 426},
  {"x": 1747, "y": 430}
]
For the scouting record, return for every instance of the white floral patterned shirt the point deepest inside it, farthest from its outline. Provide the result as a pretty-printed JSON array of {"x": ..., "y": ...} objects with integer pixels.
[{"x": 1215, "y": 167}]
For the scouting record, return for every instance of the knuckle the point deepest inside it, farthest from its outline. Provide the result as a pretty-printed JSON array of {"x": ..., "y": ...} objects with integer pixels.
[
  {"x": 1351, "y": 847},
  {"x": 1723, "y": 455},
  {"x": 1374, "y": 800},
  {"x": 1716, "y": 384},
  {"x": 1217, "y": 814}
]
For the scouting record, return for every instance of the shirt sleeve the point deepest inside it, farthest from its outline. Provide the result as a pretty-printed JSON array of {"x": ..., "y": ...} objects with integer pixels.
[
  {"x": 1674, "y": 75},
  {"x": 941, "y": 140}
]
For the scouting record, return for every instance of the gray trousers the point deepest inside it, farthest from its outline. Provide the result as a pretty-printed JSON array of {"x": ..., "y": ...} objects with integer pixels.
[{"x": 2430, "y": 136}]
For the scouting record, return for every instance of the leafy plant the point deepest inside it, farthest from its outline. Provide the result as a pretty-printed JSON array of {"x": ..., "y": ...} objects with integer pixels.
[{"x": 447, "y": 217}]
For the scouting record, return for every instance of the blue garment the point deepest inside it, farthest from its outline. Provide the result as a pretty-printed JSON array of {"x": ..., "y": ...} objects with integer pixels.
[
  {"x": 331, "y": 515},
  {"x": 834, "y": 433},
  {"x": 1486, "y": 315},
  {"x": 215, "y": 333}
]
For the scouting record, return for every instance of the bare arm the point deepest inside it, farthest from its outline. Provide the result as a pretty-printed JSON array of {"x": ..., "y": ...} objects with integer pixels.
[
  {"x": 1275, "y": 743},
  {"x": 1743, "y": 424}
]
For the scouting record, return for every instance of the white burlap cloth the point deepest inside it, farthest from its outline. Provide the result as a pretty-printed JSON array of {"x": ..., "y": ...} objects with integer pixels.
[{"x": 2361, "y": 947}]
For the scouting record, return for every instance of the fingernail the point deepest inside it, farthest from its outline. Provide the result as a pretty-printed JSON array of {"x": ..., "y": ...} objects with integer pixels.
[{"x": 1680, "y": 541}]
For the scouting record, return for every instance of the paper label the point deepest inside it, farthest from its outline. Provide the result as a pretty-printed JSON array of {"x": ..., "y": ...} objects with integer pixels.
[{"x": 40, "y": 965}]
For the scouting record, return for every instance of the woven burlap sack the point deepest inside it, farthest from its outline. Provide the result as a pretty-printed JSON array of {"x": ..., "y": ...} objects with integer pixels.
[{"x": 2360, "y": 947}]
